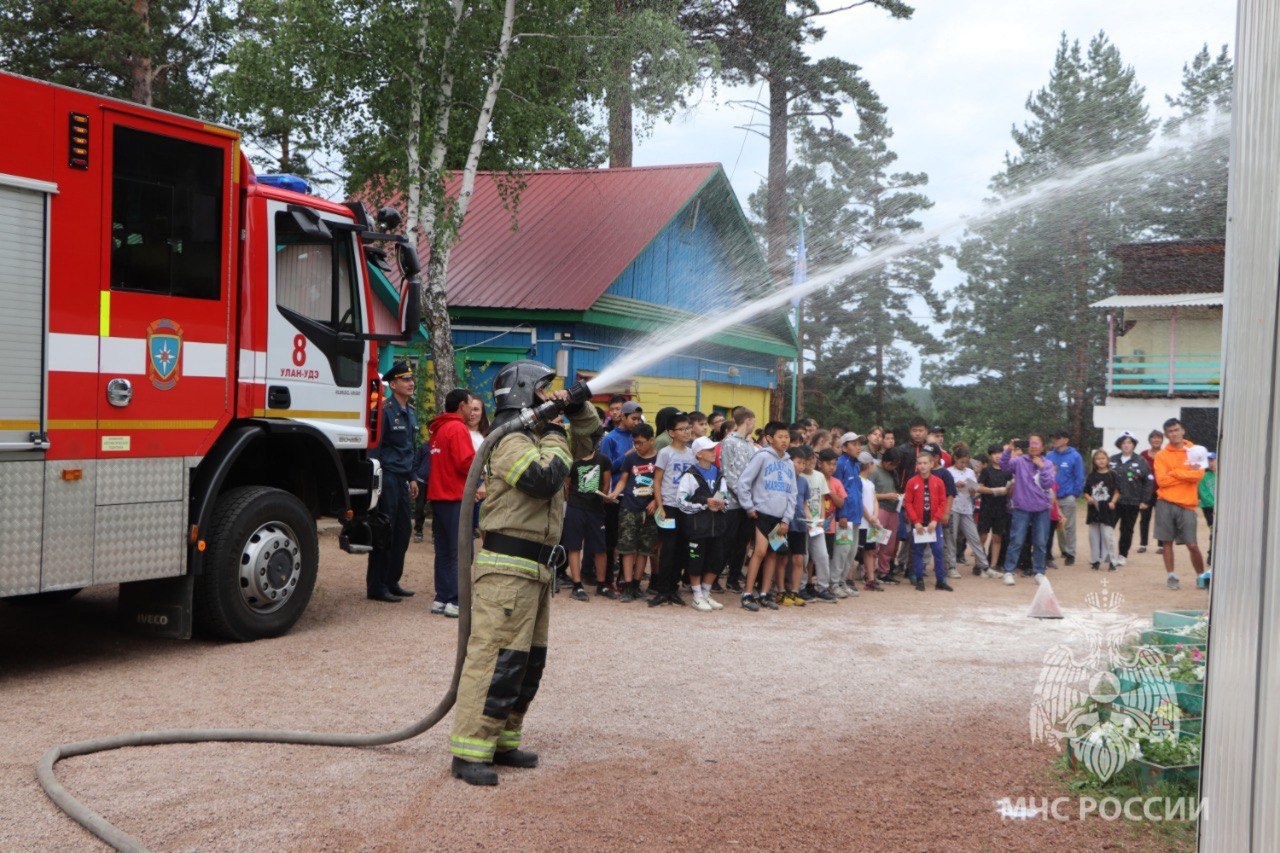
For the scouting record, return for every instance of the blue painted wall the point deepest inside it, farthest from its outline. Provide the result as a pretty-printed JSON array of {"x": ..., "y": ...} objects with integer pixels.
[
  {"x": 596, "y": 347},
  {"x": 687, "y": 266}
]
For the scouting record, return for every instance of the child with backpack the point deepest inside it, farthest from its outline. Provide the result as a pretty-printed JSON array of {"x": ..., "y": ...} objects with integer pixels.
[{"x": 701, "y": 499}]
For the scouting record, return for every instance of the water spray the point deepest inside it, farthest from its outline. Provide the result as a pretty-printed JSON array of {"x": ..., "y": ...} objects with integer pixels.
[
  {"x": 676, "y": 338},
  {"x": 120, "y": 840}
]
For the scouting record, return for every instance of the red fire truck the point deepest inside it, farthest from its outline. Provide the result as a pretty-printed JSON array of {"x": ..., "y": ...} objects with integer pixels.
[{"x": 191, "y": 362}]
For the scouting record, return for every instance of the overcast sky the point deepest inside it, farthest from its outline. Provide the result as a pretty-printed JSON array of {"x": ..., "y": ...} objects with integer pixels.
[{"x": 955, "y": 77}]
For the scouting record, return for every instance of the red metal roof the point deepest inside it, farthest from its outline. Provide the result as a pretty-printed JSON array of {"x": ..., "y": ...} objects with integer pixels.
[{"x": 578, "y": 229}]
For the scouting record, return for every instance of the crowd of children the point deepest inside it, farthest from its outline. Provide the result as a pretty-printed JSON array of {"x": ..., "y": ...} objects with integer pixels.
[{"x": 790, "y": 514}]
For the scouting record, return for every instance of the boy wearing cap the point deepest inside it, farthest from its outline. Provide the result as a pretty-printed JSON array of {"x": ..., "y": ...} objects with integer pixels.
[
  {"x": 847, "y": 468},
  {"x": 1136, "y": 485},
  {"x": 700, "y": 497},
  {"x": 937, "y": 436},
  {"x": 1070, "y": 479}
]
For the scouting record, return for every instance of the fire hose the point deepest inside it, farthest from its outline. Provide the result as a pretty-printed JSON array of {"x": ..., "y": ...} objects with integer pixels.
[{"x": 120, "y": 840}]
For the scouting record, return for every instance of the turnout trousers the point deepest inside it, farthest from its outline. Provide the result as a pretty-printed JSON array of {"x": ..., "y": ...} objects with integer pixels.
[{"x": 506, "y": 655}]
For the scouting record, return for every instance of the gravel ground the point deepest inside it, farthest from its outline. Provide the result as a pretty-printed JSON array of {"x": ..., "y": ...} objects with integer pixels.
[{"x": 892, "y": 721}]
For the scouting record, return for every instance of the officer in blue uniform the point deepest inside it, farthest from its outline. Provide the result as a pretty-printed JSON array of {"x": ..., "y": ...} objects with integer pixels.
[{"x": 399, "y": 434}]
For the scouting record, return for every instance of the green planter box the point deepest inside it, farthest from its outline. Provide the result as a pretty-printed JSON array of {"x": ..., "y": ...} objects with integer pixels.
[
  {"x": 1190, "y": 696},
  {"x": 1149, "y": 775},
  {"x": 1145, "y": 689},
  {"x": 1176, "y": 618},
  {"x": 1191, "y": 726},
  {"x": 1165, "y": 639}
]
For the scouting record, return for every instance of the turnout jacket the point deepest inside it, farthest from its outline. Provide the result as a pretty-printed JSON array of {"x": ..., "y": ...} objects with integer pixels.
[
  {"x": 524, "y": 481},
  {"x": 1136, "y": 480}
]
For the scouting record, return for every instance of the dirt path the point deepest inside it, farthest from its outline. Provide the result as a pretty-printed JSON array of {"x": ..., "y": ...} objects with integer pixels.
[{"x": 891, "y": 721}]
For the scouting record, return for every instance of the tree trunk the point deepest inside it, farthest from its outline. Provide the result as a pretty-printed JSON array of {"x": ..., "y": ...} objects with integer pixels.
[
  {"x": 878, "y": 396},
  {"x": 140, "y": 66},
  {"x": 777, "y": 400},
  {"x": 284, "y": 152},
  {"x": 621, "y": 131},
  {"x": 443, "y": 233},
  {"x": 776, "y": 200},
  {"x": 443, "y": 370},
  {"x": 618, "y": 97},
  {"x": 1079, "y": 369},
  {"x": 422, "y": 220}
]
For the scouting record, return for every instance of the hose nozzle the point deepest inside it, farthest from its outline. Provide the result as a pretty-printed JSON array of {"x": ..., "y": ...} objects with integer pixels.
[{"x": 578, "y": 393}]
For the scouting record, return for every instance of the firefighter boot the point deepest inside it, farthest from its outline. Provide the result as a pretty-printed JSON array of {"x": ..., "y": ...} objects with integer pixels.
[
  {"x": 515, "y": 758},
  {"x": 474, "y": 773}
]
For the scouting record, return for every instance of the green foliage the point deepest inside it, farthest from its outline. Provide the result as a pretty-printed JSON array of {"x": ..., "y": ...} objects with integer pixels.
[
  {"x": 543, "y": 118},
  {"x": 1025, "y": 351},
  {"x": 163, "y": 58},
  {"x": 766, "y": 41},
  {"x": 287, "y": 95},
  {"x": 1189, "y": 187},
  {"x": 853, "y": 203},
  {"x": 1170, "y": 749}
]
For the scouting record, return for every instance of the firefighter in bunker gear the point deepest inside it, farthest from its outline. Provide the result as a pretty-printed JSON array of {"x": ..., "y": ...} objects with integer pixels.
[{"x": 511, "y": 597}]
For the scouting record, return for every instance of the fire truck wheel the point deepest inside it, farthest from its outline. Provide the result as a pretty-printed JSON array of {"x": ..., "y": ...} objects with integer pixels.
[{"x": 261, "y": 565}]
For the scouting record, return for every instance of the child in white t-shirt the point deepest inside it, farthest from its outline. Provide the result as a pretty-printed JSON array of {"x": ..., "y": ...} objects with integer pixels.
[
  {"x": 819, "y": 587},
  {"x": 962, "y": 523}
]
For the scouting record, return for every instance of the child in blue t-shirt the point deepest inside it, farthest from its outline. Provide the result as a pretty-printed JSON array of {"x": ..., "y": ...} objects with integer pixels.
[{"x": 637, "y": 531}]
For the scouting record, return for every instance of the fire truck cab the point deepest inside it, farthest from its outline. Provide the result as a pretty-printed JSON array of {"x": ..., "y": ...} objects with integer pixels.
[{"x": 190, "y": 367}]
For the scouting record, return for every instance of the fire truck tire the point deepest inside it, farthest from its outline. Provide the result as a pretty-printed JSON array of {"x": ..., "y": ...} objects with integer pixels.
[{"x": 261, "y": 565}]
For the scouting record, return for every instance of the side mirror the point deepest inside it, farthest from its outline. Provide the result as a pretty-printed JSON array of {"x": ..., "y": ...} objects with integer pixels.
[
  {"x": 410, "y": 308},
  {"x": 310, "y": 223},
  {"x": 408, "y": 259}
]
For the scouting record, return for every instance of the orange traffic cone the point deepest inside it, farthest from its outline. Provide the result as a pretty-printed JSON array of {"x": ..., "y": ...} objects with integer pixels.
[{"x": 1045, "y": 604}]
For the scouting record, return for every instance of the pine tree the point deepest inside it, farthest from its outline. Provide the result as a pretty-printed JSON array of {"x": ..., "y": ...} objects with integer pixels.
[
  {"x": 1025, "y": 351},
  {"x": 1190, "y": 187},
  {"x": 154, "y": 52},
  {"x": 765, "y": 41},
  {"x": 853, "y": 204}
]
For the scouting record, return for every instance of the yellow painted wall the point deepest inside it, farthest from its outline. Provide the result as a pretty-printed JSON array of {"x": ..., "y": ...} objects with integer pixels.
[
  {"x": 1199, "y": 332},
  {"x": 656, "y": 392}
]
